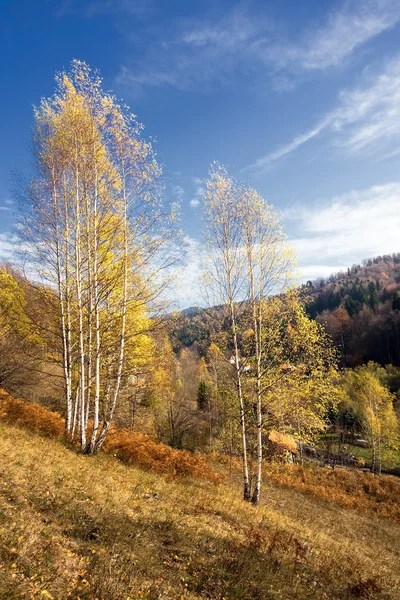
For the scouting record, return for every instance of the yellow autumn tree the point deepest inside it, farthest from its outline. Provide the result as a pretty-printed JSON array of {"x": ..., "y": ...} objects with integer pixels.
[
  {"x": 22, "y": 345},
  {"x": 298, "y": 370},
  {"x": 372, "y": 402},
  {"x": 97, "y": 229}
]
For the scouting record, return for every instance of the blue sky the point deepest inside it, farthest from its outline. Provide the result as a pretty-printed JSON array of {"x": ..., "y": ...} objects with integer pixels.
[{"x": 300, "y": 98}]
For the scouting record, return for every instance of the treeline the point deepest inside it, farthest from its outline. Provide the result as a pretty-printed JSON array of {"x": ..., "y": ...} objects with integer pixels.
[{"x": 360, "y": 309}]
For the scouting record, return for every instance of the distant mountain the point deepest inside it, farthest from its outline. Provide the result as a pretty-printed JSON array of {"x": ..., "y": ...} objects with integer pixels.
[
  {"x": 359, "y": 307},
  {"x": 373, "y": 282}
]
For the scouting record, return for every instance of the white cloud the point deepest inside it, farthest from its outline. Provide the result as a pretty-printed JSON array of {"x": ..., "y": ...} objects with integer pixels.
[
  {"x": 187, "y": 290},
  {"x": 8, "y": 201},
  {"x": 199, "y": 191},
  {"x": 214, "y": 49},
  {"x": 5, "y": 208},
  {"x": 178, "y": 192},
  {"x": 365, "y": 119},
  {"x": 328, "y": 237},
  {"x": 7, "y": 247},
  {"x": 346, "y": 29},
  {"x": 356, "y": 225}
]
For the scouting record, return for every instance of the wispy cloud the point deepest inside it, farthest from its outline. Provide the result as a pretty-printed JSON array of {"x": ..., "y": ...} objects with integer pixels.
[
  {"x": 214, "y": 49},
  {"x": 366, "y": 118},
  {"x": 198, "y": 52},
  {"x": 262, "y": 163},
  {"x": 199, "y": 192},
  {"x": 354, "y": 24},
  {"x": 346, "y": 229},
  {"x": 133, "y": 7},
  {"x": 178, "y": 193}
]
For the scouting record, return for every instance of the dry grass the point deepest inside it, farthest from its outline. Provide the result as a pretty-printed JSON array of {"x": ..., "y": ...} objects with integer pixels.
[
  {"x": 351, "y": 488},
  {"x": 33, "y": 417},
  {"x": 131, "y": 447},
  {"x": 80, "y": 527},
  {"x": 73, "y": 526}
]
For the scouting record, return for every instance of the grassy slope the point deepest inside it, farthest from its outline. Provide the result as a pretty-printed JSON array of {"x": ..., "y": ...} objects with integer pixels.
[
  {"x": 78, "y": 527},
  {"x": 390, "y": 458}
]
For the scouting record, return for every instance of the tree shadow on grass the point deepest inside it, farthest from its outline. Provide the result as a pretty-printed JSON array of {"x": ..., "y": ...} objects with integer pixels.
[{"x": 159, "y": 556}]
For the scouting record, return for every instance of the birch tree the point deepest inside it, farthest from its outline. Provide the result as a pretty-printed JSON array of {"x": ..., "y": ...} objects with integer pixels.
[
  {"x": 250, "y": 265},
  {"x": 248, "y": 260},
  {"x": 97, "y": 229},
  {"x": 269, "y": 267},
  {"x": 226, "y": 274}
]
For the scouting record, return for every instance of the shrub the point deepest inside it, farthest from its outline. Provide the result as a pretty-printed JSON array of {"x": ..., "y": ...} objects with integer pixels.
[
  {"x": 357, "y": 489},
  {"x": 130, "y": 447},
  {"x": 33, "y": 417},
  {"x": 137, "y": 449}
]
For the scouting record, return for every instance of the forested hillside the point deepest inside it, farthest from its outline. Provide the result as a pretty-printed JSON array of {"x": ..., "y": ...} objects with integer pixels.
[{"x": 359, "y": 307}]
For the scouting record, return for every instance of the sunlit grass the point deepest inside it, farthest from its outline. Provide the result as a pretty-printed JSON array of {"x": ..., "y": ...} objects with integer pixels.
[
  {"x": 74, "y": 526},
  {"x": 91, "y": 527}
]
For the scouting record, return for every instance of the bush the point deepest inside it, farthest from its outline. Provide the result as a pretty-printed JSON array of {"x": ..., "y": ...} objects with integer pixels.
[
  {"x": 130, "y": 447},
  {"x": 137, "y": 449},
  {"x": 357, "y": 489},
  {"x": 33, "y": 417}
]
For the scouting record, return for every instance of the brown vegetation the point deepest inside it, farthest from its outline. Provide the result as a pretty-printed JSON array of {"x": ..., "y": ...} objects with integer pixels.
[
  {"x": 33, "y": 417},
  {"x": 136, "y": 449},
  {"x": 350, "y": 488},
  {"x": 131, "y": 447},
  {"x": 77, "y": 527}
]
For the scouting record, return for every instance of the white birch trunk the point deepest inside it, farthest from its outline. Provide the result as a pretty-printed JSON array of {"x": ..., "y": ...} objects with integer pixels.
[
  {"x": 96, "y": 403},
  {"x": 78, "y": 284},
  {"x": 61, "y": 293},
  {"x": 107, "y": 423}
]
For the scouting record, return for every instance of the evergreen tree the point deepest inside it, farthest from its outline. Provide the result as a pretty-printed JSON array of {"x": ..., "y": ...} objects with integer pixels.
[
  {"x": 203, "y": 396},
  {"x": 373, "y": 296},
  {"x": 396, "y": 301}
]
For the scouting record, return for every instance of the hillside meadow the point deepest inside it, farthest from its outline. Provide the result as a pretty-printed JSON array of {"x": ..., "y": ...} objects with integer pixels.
[{"x": 75, "y": 526}]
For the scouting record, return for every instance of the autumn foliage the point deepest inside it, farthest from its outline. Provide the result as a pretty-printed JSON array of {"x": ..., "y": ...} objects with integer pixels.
[
  {"x": 137, "y": 449},
  {"x": 33, "y": 417},
  {"x": 283, "y": 441},
  {"x": 130, "y": 447},
  {"x": 350, "y": 488}
]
